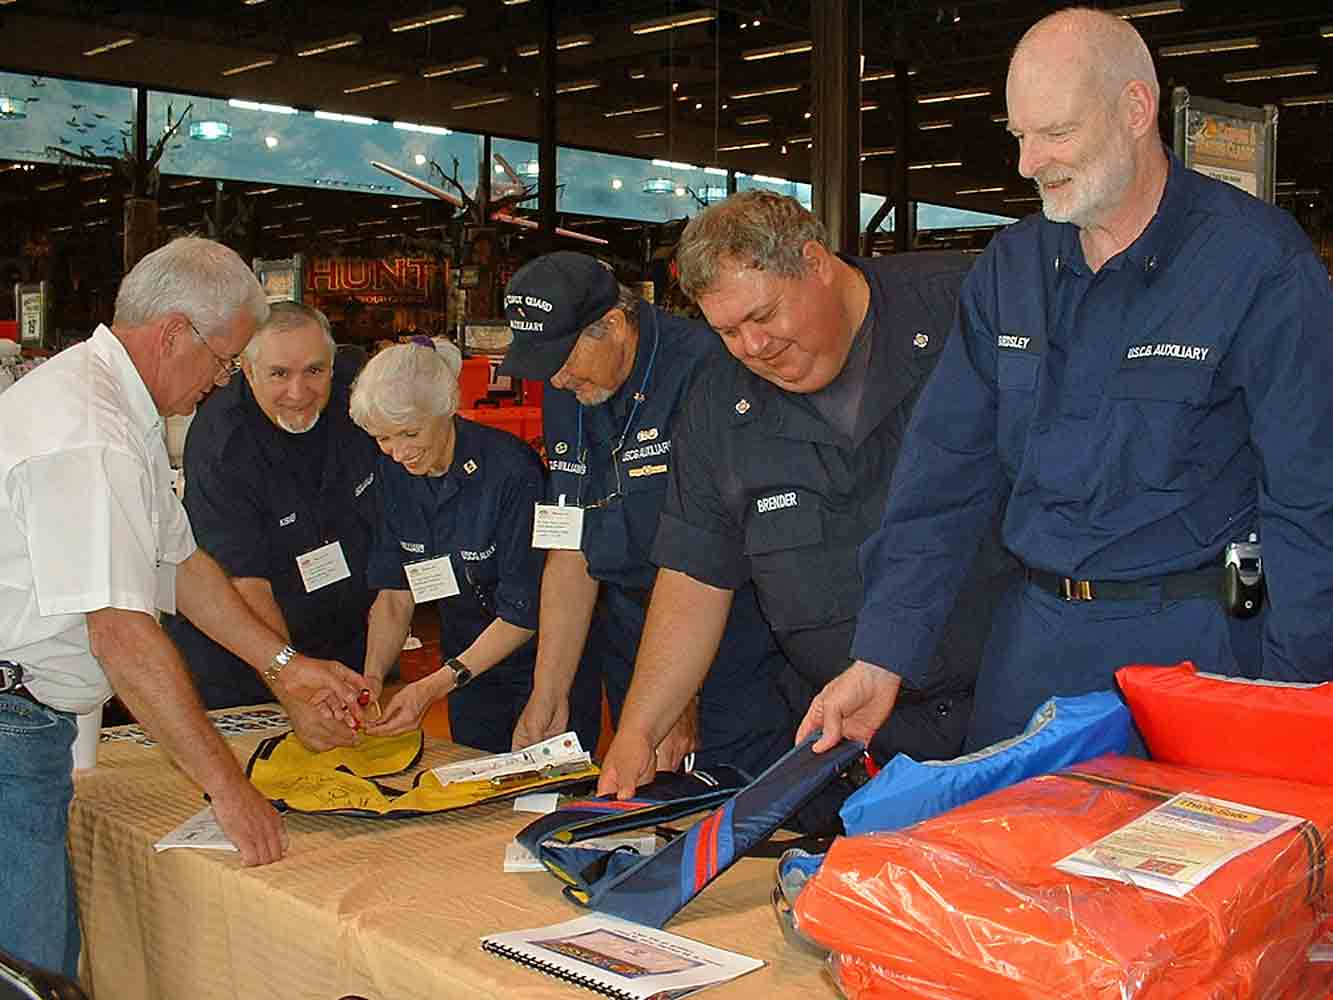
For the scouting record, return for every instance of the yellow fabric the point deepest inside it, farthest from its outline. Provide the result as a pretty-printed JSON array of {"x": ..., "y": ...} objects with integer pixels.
[{"x": 337, "y": 781}]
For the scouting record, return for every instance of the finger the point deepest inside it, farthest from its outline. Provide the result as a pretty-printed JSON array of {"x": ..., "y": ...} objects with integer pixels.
[
  {"x": 810, "y": 723},
  {"x": 606, "y": 781},
  {"x": 832, "y": 732}
]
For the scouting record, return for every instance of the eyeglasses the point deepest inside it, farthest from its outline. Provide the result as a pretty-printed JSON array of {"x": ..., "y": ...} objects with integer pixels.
[{"x": 227, "y": 367}]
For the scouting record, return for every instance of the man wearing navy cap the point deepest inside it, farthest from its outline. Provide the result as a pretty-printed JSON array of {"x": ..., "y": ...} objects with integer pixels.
[{"x": 618, "y": 370}]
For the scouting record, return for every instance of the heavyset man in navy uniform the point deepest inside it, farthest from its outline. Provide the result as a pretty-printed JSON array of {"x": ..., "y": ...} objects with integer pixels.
[
  {"x": 1143, "y": 374},
  {"x": 782, "y": 460},
  {"x": 279, "y": 490},
  {"x": 618, "y": 370}
]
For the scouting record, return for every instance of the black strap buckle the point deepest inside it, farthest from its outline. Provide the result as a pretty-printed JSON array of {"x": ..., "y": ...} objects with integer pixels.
[
  {"x": 1076, "y": 590},
  {"x": 11, "y": 676}
]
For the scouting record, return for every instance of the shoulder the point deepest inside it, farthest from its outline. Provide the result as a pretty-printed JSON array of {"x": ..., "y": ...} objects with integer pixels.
[
  {"x": 686, "y": 344},
  {"x": 1251, "y": 228},
  {"x": 217, "y": 422},
  {"x": 499, "y": 449}
]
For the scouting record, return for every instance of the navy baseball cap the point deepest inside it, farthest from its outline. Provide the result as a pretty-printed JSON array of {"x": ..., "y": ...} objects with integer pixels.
[{"x": 548, "y": 303}]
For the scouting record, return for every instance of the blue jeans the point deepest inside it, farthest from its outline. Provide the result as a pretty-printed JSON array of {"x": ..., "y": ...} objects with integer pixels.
[{"x": 39, "y": 921}]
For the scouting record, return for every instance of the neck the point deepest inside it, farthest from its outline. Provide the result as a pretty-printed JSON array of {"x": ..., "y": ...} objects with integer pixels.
[
  {"x": 140, "y": 344},
  {"x": 631, "y": 355},
  {"x": 854, "y": 293},
  {"x": 1105, "y": 238}
]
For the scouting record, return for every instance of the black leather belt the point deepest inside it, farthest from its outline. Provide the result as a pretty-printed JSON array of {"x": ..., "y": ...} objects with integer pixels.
[
  {"x": 11, "y": 680},
  {"x": 1206, "y": 582}
]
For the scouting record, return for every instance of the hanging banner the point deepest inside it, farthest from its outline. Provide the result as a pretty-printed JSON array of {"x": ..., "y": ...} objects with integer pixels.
[
  {"x": 1230, "y": 142},
  {"x": 30, "y": 308},
  {"x": 381, "y": 281}
]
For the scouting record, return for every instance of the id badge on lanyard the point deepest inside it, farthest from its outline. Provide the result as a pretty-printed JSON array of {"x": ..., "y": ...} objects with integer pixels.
[
  {"x": 432, "y": 579},
  {"x": 557, "y": 526}
]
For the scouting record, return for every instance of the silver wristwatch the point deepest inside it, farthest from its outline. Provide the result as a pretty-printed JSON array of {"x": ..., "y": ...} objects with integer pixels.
[{"x": 280, "y": 659}]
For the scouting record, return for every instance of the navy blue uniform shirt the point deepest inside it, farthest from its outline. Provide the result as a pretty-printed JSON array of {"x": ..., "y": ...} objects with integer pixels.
[
  {"x": 479, "y": 514},
  {"x": 254, "y": 510},
  {"x": 765, "y": 490},
  {"x": 1137, "y": 419}
]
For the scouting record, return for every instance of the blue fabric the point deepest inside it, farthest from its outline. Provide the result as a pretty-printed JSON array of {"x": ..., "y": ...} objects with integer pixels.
[
  {"x": 39, "y": 921},
  {"x": 255, "y": 511},
  {"x": 1062, "y": 732},
  {"x": 1136, "y": 420}
]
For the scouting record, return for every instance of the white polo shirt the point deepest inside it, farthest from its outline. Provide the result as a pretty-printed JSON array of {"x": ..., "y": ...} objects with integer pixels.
[{"x": 88, "y": 519}]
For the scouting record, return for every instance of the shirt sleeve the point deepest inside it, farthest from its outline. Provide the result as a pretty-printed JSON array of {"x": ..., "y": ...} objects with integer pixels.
[
  {"x": 698, "y": 533},
  {"x": 224, "y": 494},
  {"x": 943, "y": 493},
  {"x": 91, "y": 526},
  {"x": 518, "y": 591},
  {"x": 1285, "y": 365}
]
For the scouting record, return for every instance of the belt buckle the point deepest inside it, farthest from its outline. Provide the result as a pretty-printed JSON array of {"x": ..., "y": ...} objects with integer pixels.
[
  {"x": 1076, "y": 590},
  {"x": 11, "y": 676}
]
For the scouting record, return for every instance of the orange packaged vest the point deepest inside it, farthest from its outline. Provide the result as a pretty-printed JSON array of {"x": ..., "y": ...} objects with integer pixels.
[{"x": 969, "y": 905}]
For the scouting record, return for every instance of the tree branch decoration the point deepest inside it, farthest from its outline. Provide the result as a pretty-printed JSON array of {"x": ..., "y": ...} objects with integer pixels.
[{"x": 141, "y": 179}]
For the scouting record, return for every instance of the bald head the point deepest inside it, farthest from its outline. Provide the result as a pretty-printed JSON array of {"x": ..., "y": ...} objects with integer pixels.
[{"x": 1088, "y": 49}]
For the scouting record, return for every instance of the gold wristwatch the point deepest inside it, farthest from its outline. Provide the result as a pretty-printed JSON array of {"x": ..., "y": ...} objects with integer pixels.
[{"x": 280, "y": 659}]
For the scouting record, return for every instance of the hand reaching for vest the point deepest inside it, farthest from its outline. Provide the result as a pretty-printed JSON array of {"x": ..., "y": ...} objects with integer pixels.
[
  {"x": 682, "y": 739},
  {"x": 541, "y": 719},
  {"x": 852, "y": 706},
  {"x": 630, "y": 762}
]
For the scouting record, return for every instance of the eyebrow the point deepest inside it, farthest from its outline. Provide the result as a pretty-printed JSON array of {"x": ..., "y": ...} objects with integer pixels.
[{"x": 762, "y": 307}]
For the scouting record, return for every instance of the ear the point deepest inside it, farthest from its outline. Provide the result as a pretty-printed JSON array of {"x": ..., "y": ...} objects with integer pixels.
[
  {"x": 1138, "y": 108},
  {"x": 173, "y": 332},
  {"x": 818, "y": 261}
]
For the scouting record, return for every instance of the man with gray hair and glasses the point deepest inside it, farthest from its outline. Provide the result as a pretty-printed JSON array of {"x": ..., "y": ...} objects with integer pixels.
[
  {"x": 93, "y": 543},
  {"x": 279, "y": 488}
]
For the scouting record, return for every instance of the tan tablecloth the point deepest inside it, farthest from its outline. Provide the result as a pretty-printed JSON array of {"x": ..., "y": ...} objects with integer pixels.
[{"x": 391, "y": 910}]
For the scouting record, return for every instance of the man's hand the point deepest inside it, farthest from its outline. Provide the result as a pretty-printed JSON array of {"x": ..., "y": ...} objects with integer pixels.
[
  {"x": 250, "y": 822},
  {"x": 316, "y": 728},
  {"x": 682, "y": 739},
  {"x": 629, "y": 763},
  {"x": 541, "y": 719},
  {"x": 405, "y": 711},
  {"x": 325, "y": 682},
  {"x": 852, "y": 706}
]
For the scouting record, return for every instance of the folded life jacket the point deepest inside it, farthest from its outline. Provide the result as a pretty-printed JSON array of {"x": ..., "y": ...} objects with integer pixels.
[
  {"x": 969, "y": 904},
  {"x": 1235, "y": 724},
  {"x": 651, "y": 890},
  {"x": 339, "y": 780}
]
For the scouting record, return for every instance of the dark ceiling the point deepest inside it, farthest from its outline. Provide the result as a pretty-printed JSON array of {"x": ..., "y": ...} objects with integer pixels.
[{"x": 693, "y": 73}]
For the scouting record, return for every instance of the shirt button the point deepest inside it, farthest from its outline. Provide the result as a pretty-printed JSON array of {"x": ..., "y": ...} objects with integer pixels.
[
  {"x": 1150, "y": 264},
  {"x": 943, "y": 708}
]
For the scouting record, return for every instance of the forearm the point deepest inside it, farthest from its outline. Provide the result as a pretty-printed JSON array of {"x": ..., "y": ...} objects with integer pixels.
[
  {"x": 147, "y": 672},
  {"x": 206, "y": 596},
  {"x": 258, "y": 596},
  {"x": 389, "y": 622},
  {"x": 568, "y": 597},
  {"x": 496, "y": 641},
  {"x": 684, "y": 627}
]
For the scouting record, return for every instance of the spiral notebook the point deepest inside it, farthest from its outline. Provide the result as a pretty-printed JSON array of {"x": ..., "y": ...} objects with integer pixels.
[{"x": 620, "y": 959}]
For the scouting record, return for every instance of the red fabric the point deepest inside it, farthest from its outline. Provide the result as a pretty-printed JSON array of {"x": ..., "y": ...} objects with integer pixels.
[
  {"x": 1231, "y": 724},
  {"x": 968, "y": 905}
]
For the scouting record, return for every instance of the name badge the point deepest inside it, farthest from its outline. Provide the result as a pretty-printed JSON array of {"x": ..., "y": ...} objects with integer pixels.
[
  {"x": 431, "y": 579},
  {"x": 166, "y": 587},
  {"x": 322, "y": 566},
  {"x": 556, "y": 526}
]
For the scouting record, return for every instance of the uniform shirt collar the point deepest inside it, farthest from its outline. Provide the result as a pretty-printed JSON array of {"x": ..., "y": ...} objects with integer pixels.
[{"x": 142, "y": 410}]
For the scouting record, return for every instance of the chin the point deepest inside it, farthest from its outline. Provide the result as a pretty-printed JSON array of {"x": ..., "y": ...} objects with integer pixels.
[{"x": 298, "y": 425}]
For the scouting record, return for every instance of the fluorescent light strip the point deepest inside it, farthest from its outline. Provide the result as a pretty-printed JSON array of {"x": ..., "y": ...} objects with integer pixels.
[
  {"x": 448, "y": 69},
  {"x": 1326, "y": 31},
  {"x": 1133, "y": 10},
  {"x": 329, "y": 45},
  {"x": 577, "y": 86},
  {"x": 655, "y": 134},
  {"x": 1271, "y": 73},
  {"x": 277, "y": 109},
  {"x": 247, "y": 67},
  {"x": 878, "y": 151},
  {"x": 261, "y": 190},
  {"x": 561, "y": 44},
  {"x": 426, "y": 20},
  {"x": 637, "y": 74},
  {"x": 766, "y": 92},
  {"x": 1307, "y": 101},
  {"x": 799, "y": 139},
  {"x": 935, "y": 126},
  {"x": 883, "y": 74},
  {"x": 718, "y": 171},
  {"x": 682, "y": 20},
  {"x": 743, "y": 145},
  {"x": 1028, "y": 197},
  {"x": 754, "y": 119},
  {"x": 111, "y": 46},
  {"x": 335, "y": 116},
  {"x": 989, "y": 190},
  {"x": 963, "y": 94},
  {"x": 388, "y": 81},
  {"x": 1208, "y": 48},
  {"x": 935, "y": 165},
  {"x": 1000, "y": 119},
  {"x": 869, "y": 106},
  {"x": 482, "y": 102},
  {"x": 641, "y": 110},
  {"x": 427, "y": 129},
  {"x": 773, "y": 51}
]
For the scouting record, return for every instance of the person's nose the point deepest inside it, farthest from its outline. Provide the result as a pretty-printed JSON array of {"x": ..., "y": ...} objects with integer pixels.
[
  {"x": 753, "y": 340},
  {"x": 1032, "y": 157}
]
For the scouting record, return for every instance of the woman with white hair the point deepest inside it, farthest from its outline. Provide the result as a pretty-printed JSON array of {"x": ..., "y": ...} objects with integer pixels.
[{"x": 456, "y": 529}]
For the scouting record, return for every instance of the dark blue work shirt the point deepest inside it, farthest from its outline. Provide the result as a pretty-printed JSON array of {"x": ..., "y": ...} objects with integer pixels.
[
  {"x": 1138, "y": 419},
  {"x": 479, "y": 514},
  {"x": 618, "y": 530},
  {"x": 257, "y": 498}
]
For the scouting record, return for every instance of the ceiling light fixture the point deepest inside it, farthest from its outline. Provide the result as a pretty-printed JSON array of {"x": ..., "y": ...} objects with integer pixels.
[
  {"x": 754, "y": 119},
  {"x": 1271, "y": 73},
  {"x": 670, "y": 23},
  {"x": 651, "y": 134},
  {"x": 767, "y": 92},
  {"x": 963, "y": 94},
  {"x": 427, "y": 129},
  {"x": 1326, "y": 31},
  {"x": 561, "y": 44},
  {"x": 935, "y": 165},
  {"x": 797, "y": 140},
  {"x": 1133, "y": 10},
  {"x": 210, "y": 130},
  {"x": 637, "y": 74},
  {"x": 878, "y": 151},
  {"x": 247, "y": 67},
  {"x": 736, "y": 146},
  {"x": 329, "y": 45},
  {"x": 935, "y": 126},
  {"x": 337, "y": 116},
  {"x": 12, "y": 109},
  {"x": 115, "y": 43},
  {"x": 277, "y": 109},
  {"x": 642, "y": 109},
  {"x": 361, "y": 88},
  {"x": 1208, "y": 48},
  {"x": 989, "y": 190},
  {"x": 773, "y": 51},
  {"x": 1026, "y": 197},
  {"x": 429, "y": 18},
  {"x": 449, "y": 69},
  {"x": 883, "y": 74},
  {"x": 658, "y": 185},
  {"x": 1000, "y": 119},
  {"x": 577, "y": 86},
  {"x": 1307, "y": 101},
  {"x": 870, "y": 106},
  {"x": 482, "y": 102}
]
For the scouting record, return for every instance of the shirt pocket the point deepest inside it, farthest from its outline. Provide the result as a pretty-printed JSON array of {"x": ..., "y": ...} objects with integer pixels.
[
  {"x": 1157, "y": 415},
  {"x": 1165, "y": 383},
  {"x": 1017, "y": 370},
  {"x": 1016, "y": 374},
  {"x": 789, "y": 563}
]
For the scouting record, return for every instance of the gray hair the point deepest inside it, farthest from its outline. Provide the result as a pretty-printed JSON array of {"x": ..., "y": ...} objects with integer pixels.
[
  {"x": 406, "y": 383},
  {"x": 1116, "y": 53},
  {"x": 284, "y": 317},
  {"x": 759, "y": 229},
  {"x": 204, "y": 280},
  {"x": 627, "y": 301}
]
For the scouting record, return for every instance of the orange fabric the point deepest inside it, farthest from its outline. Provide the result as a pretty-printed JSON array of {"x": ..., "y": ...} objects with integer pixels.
[
  {"x": 1234, "y": 725},
  {"x": 969, "y": 905}
]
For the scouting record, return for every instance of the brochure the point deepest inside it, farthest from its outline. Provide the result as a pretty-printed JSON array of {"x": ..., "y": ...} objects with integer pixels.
[
  {"x": 560, "y": 754},
  {"x": 201, "y": 831}
]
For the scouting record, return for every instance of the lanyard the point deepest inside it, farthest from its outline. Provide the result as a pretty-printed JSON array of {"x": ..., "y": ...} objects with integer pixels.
[{"x": 624, "y": 433}]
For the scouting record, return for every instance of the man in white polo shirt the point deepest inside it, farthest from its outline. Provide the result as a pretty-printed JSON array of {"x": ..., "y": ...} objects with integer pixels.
[{"x": 92, "y": 544}]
